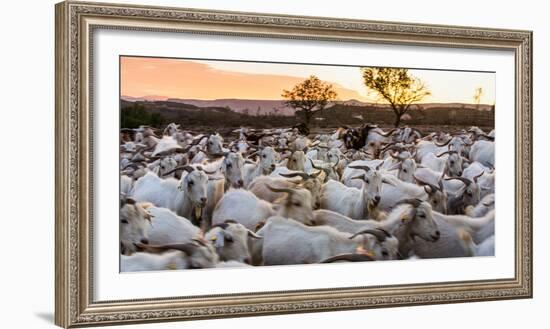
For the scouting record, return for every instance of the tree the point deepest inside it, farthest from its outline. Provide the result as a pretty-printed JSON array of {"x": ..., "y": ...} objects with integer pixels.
[
  {"x": 310, "y": 96},
  {"x": 135, "y": 114},
  {"x": 477, "y": 96},
  {"x": 395, "y": 86}
]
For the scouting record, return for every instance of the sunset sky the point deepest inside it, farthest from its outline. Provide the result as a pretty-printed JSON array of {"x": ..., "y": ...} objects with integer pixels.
[{"x": 208, "y": 80}]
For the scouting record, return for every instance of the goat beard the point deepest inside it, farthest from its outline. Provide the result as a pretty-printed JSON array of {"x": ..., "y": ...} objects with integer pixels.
[{"x": 197, "y": 212}]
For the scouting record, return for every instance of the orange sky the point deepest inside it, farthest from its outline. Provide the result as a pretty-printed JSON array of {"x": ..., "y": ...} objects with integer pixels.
[{"x": 203, "y": 79}]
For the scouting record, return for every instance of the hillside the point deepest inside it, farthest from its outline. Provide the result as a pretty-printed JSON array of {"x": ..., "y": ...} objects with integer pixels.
[{"x": 220, "y": 117}]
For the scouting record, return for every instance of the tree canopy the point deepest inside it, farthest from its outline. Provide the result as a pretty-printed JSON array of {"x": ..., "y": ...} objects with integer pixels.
[
  {"x": 395, "y": 86},
  {"x": 310, "y": 97}
]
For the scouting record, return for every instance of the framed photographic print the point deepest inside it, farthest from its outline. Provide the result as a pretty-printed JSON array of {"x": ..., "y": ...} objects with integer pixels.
[{"x": 218, "y": 164}]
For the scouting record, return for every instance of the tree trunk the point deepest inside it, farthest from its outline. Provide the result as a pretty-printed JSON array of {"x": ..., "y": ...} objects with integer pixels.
[
  {"x": 307, "y": 117},
  {"x": 397, "y": 120}
]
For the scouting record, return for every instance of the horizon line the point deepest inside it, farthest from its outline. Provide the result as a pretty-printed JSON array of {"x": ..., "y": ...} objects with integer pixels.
[{"x": 279, "y": 100}]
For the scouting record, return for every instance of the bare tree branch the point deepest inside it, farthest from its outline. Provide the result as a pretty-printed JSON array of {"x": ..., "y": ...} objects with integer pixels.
[
  {"x": 311, "y": 96},
  {"x": 396, "y": 87}
]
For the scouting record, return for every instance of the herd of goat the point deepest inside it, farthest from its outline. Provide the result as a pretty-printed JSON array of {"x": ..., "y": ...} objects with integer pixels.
[{"x": 284, "y": 196}]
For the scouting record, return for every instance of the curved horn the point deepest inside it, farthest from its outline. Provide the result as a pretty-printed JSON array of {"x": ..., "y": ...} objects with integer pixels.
[
  {"x": 187, "y": 248},
  {"x": 327, "y": 171},
  {"x": 314, "y": 166},
  {"x": 316, "y": 174},
  {"x": 413, "y": 202},
  {"x": 396, "y": 156},
  {"x": 478, "y": 175},
  {"x": 348, "y": 258},
  {"x": 223, "y": 225},
  {"x": 365, "y": 168},
  {"x": 198, "y": 140},
  {"x": 187, "y": 168},
  {"x": 206, "y": 171},
  {"x": 385, "y": 134},
  {"x": 388, "y": 145},
  {"x": 379, "y": 234},
  {"x": 221, "y": 154},
  {"x": 254, "y": 235},
  {"x": 444, "y": 144},
  {"x": 421, "y": 182},
  {"x": 303, "y": 175},
  {"x": 464, "y": 180},
  {"x": 446, "y": 152},
  {"x": 280, "y": 190}
]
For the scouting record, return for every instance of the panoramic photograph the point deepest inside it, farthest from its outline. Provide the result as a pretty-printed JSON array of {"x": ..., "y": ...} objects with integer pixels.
[{"x": 240, "y": 164}]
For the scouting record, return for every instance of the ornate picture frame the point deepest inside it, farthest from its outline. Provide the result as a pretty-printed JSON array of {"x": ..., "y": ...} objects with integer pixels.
[{"x": 75, "y": 24}]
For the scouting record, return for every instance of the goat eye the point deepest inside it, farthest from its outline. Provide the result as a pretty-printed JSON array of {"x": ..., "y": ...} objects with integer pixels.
[
  {"x": 263, "y": 156},
  {"x": 367, "y": 181},
  {"x": 385, "y": 253},
  {"x": 124, "y": 221},
  {"x": 297, "y": 204},
  {"x": 422, "y": 216},
  {"x": 229, "y": 165},
  {"x": 190, "y": 183},
  {"x": 452, "y": 162},
  {"x": 404, "y": 170}
]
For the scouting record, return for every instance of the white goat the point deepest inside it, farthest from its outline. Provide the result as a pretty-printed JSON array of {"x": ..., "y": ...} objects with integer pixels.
[
  {"x": 230, "y": 239},
  {"x": 168, "y": 228},
  {"x": 486, "y": 204},
  {"x": 134, "y": 225},
  {"x": 190, "y": 255},
  {"x": 411, "y": 218},
  {"x": 263, "y": 166},
  {"x": 450, "y": 244},
  {"x": 186, "y": 197},
  {"x": 286, "y": 241},
  {"x": 313, "y": 183},
  {"x": 248, "y": 210},
  {"x": 484, "y": 153},
  {"x": 353, "y": 202}
]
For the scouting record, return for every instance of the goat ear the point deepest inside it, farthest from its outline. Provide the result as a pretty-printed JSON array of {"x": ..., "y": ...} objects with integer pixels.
[
  {"x": 395, "y": 166},
  {"x": 146, "y": 205},
  {"x": 428, "y": 189},
  {"x": 387, "y": 181},
  {"x": 254, "y": 235}
]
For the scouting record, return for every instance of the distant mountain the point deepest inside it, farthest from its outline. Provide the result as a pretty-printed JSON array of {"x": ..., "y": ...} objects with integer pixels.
[
  {"x": 246, "y": 106},
  {"x": 150, "y": 98},
  {"x": 223, "y": 119},
  {"x": 256, "y": 107}
]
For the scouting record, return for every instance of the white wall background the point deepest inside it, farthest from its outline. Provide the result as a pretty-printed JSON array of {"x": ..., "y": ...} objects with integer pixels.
[{"x": 27, "y": 215}]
